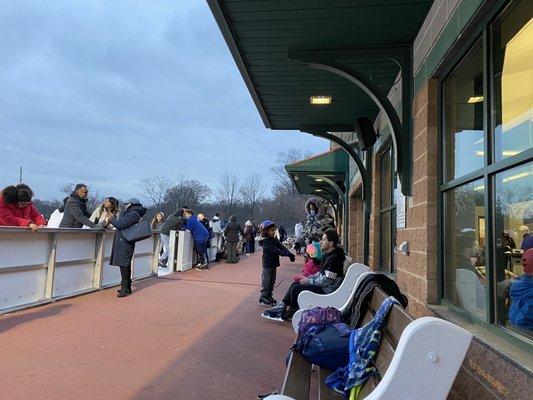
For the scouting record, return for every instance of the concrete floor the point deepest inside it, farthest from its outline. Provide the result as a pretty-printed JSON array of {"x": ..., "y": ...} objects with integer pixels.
[{"x": 193, "y": 335}]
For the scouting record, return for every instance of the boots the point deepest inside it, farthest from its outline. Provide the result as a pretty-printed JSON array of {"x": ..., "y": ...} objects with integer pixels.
[{"x": 125, "y": 288}]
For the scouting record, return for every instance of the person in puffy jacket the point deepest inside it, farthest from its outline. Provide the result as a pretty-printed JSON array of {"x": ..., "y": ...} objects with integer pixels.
[
  {"x": 17, "y": 209},
  {"x": 231, "y": 233},
  {"x": 521, "y": 294},
  {"x": 123, "y": 251},
  {"x": 76, "y": 214},
  {"x": 272, "y": 250},
  {"x": 200, "y": 236}
]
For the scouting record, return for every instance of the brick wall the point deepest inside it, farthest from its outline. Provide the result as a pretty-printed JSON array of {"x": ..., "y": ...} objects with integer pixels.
[{"x": 355, "y": 233}]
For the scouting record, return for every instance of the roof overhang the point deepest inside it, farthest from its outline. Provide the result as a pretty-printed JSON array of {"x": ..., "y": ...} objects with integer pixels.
[{"x": 323, "y": 175}]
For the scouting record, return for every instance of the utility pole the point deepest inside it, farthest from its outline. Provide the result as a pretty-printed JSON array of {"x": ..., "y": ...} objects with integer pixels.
[{"x": 20, "y": 174}]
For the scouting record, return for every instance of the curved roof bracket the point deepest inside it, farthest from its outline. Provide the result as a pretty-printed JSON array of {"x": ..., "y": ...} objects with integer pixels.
[{"x": 401, "y": 133}]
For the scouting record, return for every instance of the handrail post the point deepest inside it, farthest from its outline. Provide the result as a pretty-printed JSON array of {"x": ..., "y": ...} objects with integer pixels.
[
  {"x": 50, "y": 268},
  {"x": 171, "y": 251},
  {"x": 99, "y": 263}
]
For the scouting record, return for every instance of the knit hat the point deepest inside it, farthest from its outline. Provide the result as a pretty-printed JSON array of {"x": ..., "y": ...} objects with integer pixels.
[
  {"x": 527, "y": 261},
  {"x": 314, "y": 250},
  {"x": 266, "y": 224},
  {"x": 133, "y": 200}
]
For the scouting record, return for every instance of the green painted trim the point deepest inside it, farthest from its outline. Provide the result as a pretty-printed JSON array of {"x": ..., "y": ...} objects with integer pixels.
[{"x": 456, "y": 23}]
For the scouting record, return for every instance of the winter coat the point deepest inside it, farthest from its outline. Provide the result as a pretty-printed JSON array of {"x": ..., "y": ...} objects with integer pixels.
[
  {"x": 76, "y": 214},
  {"x": 55, "y": 219},
  {"x": 198, "y": 231},
  {"x": 521, "y": 294},
  {"x": 272, "y": 250},
  {"x": 249, "y": 233},
  {"x": 99, "y": 215},
  {"x": 174, "y": 222},
  {"x": 216, "y": 225},
  {"x": 332, "y": 262},
  {"x": 527, "y": 243},
  {"x": 232, "y": 230},
  {"x": 299, "y": 231},
  {"x": 122, "y": 252},
  {"x": 11, "y": 215},
  {"x": 311, "y": 267}
]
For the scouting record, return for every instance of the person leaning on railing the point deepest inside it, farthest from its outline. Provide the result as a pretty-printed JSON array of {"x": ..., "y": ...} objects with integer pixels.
[
  {"x": 17, "y": 209},
  {"x": 76, "y": 214}
]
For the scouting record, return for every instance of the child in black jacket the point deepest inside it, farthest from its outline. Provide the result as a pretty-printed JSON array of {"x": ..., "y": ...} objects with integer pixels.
[{"x": 272, "y": 250}]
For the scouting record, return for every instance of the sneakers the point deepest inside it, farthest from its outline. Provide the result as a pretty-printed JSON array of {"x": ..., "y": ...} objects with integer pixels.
[
  {"x": 202, "y": 267},
  {"x": 267, "y": 301}
]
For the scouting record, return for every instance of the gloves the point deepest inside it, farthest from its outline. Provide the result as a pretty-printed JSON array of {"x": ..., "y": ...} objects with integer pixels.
[{"x": 292, "y": 257}]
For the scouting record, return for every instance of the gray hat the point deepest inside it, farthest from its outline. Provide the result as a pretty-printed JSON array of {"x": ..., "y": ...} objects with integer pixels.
[{"x": 133, "y": 200}]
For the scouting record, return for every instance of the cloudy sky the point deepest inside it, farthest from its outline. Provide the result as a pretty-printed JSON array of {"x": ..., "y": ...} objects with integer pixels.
[{"x": 110, "y": 92}]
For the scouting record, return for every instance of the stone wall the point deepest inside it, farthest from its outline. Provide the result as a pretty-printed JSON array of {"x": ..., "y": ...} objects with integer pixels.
[{"x": 355, "y": 233}]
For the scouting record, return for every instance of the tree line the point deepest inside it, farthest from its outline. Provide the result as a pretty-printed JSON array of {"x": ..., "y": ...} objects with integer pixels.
[{"x": 247, "y": 197}]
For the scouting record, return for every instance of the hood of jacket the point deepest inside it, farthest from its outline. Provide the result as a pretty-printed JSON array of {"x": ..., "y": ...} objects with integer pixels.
[
  {"x": 137, "y": 208},
  {"x": 215, "y": 219},
  {"x": 321, "y": 208}
]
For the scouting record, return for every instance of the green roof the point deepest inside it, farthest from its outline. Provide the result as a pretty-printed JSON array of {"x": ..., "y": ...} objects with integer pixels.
[
  {"x": 261, "y": 33},
  {"x": 314, "y": 175}
]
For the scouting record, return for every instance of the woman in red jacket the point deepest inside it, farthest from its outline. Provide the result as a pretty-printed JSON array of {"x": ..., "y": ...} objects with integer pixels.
[{"x": 16, "y": 208}]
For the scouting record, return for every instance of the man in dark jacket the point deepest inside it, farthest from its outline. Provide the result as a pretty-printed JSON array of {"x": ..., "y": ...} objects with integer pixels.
[
  {"x": 174, "y": 222},
  {"x": 231, "y": 233},
  {"x": 327, "y": 280},
  {"x": 76, "y": 214},
  {"x": 123, "y": 250}
]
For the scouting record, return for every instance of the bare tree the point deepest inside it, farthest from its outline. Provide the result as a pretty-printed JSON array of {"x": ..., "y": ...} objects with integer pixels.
[
  {"x": 252, "y": 192},
  {"x": 227, "y": 193},
  {"x": 154, "y": 189},
  {"x": 189, "y": 192}
]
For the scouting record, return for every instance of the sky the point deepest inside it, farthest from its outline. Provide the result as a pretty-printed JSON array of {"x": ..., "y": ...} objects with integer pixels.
[{"x": 112, "y": 92}]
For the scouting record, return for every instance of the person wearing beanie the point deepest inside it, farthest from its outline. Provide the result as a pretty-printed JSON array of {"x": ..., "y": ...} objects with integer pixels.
[
  {"x": 122, "y": 252},
  {"x": 521, "y": 295},
  {"x": 231, "y": 233},
  {"x": 17, "y": 209},
  {"x": 272, "y": 250},
  {"x": 313, "y": 256},
  {"x": 200, "y": 236},
  {"x": 249, "y": 237}
]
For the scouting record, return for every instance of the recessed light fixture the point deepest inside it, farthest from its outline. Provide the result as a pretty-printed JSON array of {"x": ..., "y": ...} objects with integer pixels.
[
  {"x": 318, "y": 190},
  {"x": 505, "y": 153},
  {"x": 320, "y": 99},
  {"x": 517, "y": 176},
  {"x": 475, "y": 99},
  {"x": 319, "y": 180}
]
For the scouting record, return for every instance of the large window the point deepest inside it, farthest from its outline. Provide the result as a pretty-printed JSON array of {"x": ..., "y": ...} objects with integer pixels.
[{"x": 487, "y": 173}]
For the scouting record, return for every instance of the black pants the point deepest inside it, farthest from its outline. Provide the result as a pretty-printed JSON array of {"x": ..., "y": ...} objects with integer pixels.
[
  {"x": 291, "y": 297},
  {"x": 268, "y": 280},
  {"x": 125, "y": 273}
]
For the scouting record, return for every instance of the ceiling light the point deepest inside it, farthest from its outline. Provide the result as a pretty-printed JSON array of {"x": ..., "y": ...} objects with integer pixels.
[
  {"x": 475, "y": 99},
  {"x": 510, "y": 153},
  {"x": 480, "y": 153},
  {"x": 481, "y": 187},
  {"x": 320, "y": 100},
  {"x": 517, "y": 176},
  {"x": 319, "y": 180},
  {"x": 318, "y": 190}
]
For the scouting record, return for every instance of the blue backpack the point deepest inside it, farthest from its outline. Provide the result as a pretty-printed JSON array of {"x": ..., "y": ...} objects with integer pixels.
[{"x": 325, "y": 345}]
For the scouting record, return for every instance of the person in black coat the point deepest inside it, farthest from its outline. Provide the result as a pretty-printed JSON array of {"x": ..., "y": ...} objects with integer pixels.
[
  {"x": 76, "y": 214},
  {"x": 123, "y": 250},
  {"x": 272, "y": 250}
]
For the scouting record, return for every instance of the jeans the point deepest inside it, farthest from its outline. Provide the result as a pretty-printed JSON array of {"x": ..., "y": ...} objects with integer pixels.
[
  {"x": 201, "y": 250},
  {"x": 165, "y": 241},
  {"x": 268, "y": 280},
  {"x": 249, "y": 247}
]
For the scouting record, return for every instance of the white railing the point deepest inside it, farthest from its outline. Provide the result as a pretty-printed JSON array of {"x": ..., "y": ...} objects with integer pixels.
[{"x": 37, "y": 268}]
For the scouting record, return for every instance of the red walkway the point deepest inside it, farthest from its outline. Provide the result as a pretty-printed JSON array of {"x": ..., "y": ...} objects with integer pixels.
[{"x": 196, "y": 335}]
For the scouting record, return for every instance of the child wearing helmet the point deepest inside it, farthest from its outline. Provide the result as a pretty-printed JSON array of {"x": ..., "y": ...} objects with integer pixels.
[
  {"x": 272, "y": 250},
  {"x": 313, "y": 256}
]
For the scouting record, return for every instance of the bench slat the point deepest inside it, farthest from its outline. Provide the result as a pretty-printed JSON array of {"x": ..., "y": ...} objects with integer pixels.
[
  {"x": 324, "y": 392},
  {"x": 297, "y": 377}
]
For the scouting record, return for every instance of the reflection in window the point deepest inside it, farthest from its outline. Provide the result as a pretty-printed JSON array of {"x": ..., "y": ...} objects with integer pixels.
[
  {"x": 514, "y": 223},
  {"x": 464, "y": 135},
  {"x": 465, "y": 281},
  {"x": 513, "y": 81}
]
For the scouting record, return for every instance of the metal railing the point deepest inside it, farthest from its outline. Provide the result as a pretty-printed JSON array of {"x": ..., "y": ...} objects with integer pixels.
[{"x": 37, "y": 268}]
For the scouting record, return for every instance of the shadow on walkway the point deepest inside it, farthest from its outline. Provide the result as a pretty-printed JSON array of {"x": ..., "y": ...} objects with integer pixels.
[{"x": 10, "y": 321}]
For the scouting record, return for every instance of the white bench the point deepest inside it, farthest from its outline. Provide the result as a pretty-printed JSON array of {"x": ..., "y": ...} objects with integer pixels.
[{"x": 340, "y": 298}]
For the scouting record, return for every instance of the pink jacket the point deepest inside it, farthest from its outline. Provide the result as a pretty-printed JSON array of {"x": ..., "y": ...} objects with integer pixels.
[{"x": 311, "y": 267}]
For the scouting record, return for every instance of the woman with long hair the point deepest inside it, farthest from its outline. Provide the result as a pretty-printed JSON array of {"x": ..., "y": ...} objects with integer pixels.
[
  {"x": 107, "y": 210},
  {"x": 157, "y": 221}
]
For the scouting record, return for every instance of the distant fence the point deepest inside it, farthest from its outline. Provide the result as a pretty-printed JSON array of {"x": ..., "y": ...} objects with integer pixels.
[{"x": 36, "y": 268}]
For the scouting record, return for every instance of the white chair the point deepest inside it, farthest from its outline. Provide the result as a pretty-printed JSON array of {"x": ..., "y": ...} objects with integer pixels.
[
  {"x": 470, "y": 291},
  {"x": 340, "y": 298}
]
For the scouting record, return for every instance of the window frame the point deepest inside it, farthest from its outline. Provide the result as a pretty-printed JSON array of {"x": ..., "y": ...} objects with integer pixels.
[
  {"x": 487, "y": 173},
  {"x": 391, "y": 208}
]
